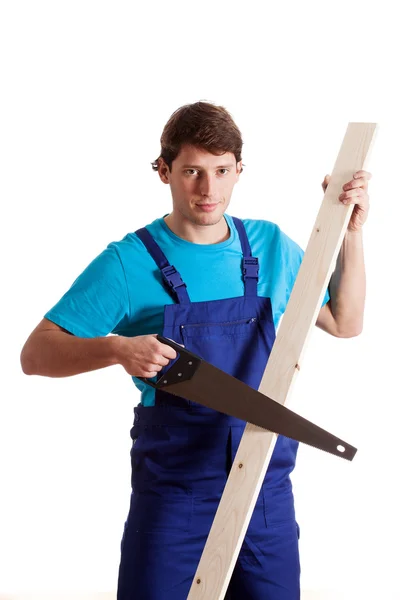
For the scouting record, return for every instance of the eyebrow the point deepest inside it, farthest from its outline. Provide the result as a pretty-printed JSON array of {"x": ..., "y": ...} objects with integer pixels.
[{"x": 200, "y": 167}]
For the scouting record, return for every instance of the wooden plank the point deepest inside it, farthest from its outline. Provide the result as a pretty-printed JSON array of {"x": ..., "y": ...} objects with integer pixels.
[{"x": 252, "y": 459}]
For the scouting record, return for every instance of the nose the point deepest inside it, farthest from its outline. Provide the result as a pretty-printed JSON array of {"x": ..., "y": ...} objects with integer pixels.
[{"x": 207, "y": 185}]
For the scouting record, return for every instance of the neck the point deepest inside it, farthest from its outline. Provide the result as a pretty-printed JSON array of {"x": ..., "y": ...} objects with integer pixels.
[{"x": 198, "y": 234}]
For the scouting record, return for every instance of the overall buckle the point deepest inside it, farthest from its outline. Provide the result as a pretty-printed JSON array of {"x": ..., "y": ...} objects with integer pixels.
[
  {"x": 250, "y": 267},
  {"x": 172, "y": 277}
]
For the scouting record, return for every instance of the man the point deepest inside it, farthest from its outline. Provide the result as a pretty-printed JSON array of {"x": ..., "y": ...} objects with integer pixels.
[{"x": 191, "y": 277}]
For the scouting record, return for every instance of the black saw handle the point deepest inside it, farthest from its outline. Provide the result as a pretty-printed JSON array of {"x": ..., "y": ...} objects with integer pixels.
[{"x": 180, "y": 369}]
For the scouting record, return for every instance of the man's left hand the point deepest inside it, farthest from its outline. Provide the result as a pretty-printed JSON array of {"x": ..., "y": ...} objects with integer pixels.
[{"x": 355, "y": 192}]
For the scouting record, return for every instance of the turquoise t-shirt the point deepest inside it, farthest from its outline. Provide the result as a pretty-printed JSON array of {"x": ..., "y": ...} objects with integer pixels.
[{"x": 121, "y": 290}]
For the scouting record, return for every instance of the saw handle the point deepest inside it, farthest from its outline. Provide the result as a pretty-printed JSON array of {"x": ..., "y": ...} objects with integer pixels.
[{"x": 182, "y": 368}]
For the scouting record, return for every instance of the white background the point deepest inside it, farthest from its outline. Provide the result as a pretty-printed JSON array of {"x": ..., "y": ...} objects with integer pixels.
[{"x": 86, "y": 90}]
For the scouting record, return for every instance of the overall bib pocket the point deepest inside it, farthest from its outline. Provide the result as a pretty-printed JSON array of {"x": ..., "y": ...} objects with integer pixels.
[{"x": 230, "y": 346}]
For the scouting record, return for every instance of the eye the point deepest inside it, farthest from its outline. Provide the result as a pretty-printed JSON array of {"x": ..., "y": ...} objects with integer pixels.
[
  {"x": 227, "y": 170},
  {"x": 193, "y": 170}
]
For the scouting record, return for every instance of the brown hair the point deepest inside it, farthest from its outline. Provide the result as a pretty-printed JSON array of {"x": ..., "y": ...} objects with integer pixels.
[{"x": 203, "y": 125}]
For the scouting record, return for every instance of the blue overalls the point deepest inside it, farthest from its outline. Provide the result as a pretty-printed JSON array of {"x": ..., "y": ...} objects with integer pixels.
[{"x": 182, "y": 453}]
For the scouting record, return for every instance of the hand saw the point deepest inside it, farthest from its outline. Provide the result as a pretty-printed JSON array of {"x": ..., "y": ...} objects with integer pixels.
[{"x": 195, "y": 379}]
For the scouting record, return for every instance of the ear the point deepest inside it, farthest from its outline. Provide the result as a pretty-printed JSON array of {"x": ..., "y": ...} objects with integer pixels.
[
  {"x": 163, "y": 170},
  {"x": 238, "y": 170}
]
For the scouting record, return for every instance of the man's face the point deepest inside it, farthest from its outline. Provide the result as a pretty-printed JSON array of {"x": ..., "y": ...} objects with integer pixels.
[{"x": 201, "y": 184}]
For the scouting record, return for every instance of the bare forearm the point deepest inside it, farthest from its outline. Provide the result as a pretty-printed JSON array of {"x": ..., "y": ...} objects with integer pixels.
[
  {"x": 348, "y": 285},
  {"x": 59, "y": 354}
]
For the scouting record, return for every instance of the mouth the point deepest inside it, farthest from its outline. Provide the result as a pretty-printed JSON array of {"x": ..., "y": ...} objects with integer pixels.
[{"x": 207, "y": 207}]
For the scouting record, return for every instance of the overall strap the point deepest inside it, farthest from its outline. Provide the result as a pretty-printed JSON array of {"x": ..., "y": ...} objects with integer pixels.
[
  {"x": 171, "y": 277},
  {"x": 250, "y": 263}
]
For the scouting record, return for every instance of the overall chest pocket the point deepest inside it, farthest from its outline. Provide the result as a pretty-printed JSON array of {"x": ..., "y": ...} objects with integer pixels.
[{"x": 239, "y": 347}]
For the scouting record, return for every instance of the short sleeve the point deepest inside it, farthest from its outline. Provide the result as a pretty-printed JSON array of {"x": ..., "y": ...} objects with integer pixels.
[
  {"x": 294, "y": 255},
  {"x": 97, "y": 303}
]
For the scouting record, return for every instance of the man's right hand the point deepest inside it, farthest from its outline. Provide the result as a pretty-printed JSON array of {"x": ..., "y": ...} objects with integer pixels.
[{"x": 143, "y": 355}]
